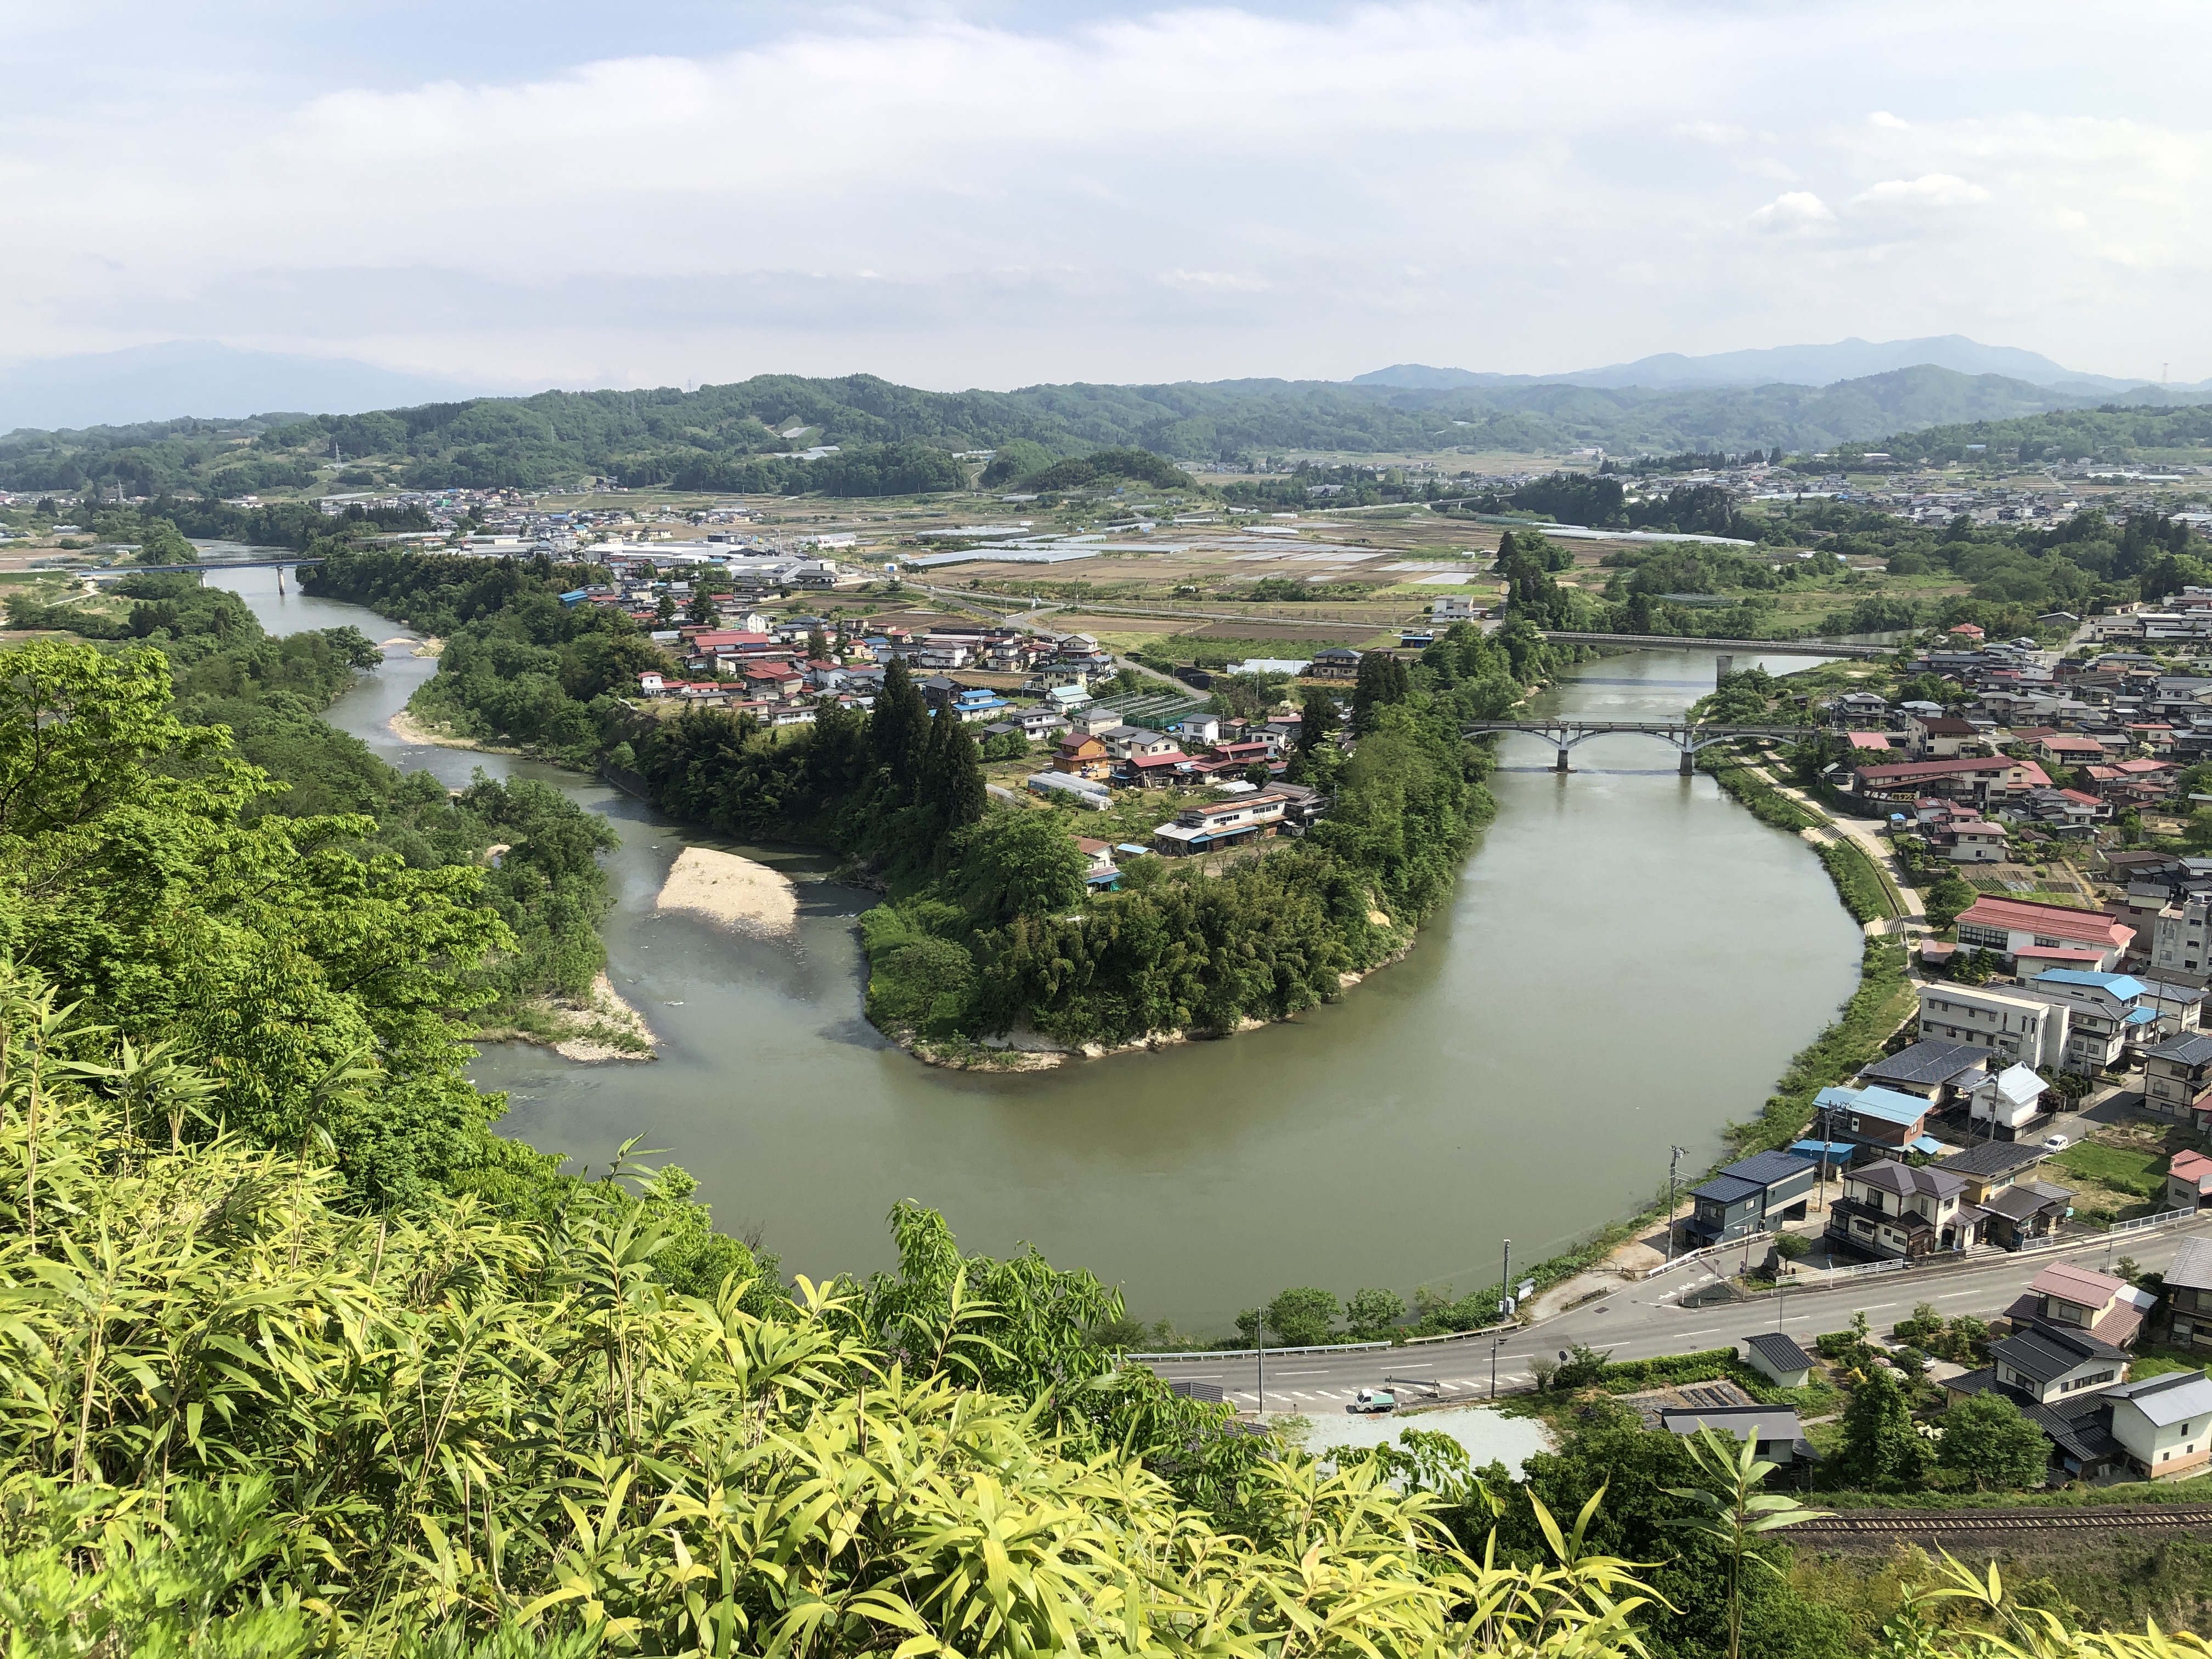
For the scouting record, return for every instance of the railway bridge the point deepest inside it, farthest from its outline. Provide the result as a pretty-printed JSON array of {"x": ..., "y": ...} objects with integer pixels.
[{"x": 1686, "y": 735}]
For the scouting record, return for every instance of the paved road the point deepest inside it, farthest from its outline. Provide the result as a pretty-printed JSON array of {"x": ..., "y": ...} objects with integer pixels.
[{"x": 1642, "y": 1320}]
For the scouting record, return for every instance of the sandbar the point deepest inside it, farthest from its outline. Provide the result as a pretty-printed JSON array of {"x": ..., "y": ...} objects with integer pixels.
[{"x": 733, "y": 890}]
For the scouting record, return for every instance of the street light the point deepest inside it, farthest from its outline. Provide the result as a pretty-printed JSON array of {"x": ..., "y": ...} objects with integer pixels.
[{"x": 1494, "y": 1346}]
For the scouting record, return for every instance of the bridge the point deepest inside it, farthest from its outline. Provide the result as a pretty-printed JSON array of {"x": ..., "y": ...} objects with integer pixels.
[
  {"x": 1689, "y": 736},
  {"x": 1794, "y": 647},
  {"x": 280, "y": 566}
]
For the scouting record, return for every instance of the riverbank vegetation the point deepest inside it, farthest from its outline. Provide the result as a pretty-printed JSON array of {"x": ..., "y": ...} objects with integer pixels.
[{"x": 266, "y": 697}]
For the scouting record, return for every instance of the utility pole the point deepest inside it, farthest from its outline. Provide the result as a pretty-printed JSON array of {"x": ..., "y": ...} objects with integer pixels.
[
  {"x": 1505, "y": 1282},
  {"x": 1675, "y": 1157},
  {"x": 1495, "y": 1346},
  {"x": 1260, "y": 1338}
]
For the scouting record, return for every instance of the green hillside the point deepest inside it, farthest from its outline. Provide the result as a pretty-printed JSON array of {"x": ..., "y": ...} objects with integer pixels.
[{"x": 895, "y": 440}]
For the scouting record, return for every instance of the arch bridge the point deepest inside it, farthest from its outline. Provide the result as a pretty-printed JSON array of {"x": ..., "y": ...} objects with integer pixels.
[{"x": 1686, "y": 735}]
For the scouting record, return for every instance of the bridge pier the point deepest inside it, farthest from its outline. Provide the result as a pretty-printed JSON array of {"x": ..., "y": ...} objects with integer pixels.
[
  {"x": 1561, "y": 764},
  {"x": 280, "y": 581},
  {"x": 1723, "y": 666},
  {"x": 1689, "y": 763}
]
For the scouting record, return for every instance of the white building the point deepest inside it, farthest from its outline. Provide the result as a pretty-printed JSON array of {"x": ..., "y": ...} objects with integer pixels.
[
  {"x": 2016, "y": 1029},
  {"x": 2166, "y": 1424},
  {"x": 2014, "y": 1097}
]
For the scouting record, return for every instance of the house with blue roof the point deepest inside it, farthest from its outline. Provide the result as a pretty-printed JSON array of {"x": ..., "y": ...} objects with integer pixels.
[
  {"x": 1876, "y": 1117},
  {"x": 2109, "y": 1016},
  {"x": 1752, "y": 1196}
]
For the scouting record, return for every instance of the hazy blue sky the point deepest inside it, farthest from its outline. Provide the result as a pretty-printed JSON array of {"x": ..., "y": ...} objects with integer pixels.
[{"x": 997, "y": 194}]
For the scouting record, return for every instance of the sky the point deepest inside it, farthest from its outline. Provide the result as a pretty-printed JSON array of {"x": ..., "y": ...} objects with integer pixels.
[{"x": 1004, "y": 193}]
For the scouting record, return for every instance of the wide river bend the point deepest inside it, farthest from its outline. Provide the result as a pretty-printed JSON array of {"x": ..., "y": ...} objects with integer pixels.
[{"x": 1628, "y": 963}]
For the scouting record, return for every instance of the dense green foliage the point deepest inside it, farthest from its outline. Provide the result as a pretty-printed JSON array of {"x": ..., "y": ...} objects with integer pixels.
[{"x": 273, "y": 823}]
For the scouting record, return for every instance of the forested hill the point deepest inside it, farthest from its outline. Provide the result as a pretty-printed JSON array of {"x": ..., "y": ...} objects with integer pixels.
[{"x": 895, "y": 439}]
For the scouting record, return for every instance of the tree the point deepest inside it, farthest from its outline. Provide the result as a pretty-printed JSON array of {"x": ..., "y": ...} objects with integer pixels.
[
  {"x": 1020, "y": 862},
  {"x": 1371, "y": 1313},
  {"x": 1383, "y": 680},
  {"x": 1989, "y": 1441},
  {"x": 817, "y": 645},
  {"x": 1731, "y": 1512},
  {"x": 1317, "y": 718},
  {"x": 702, "y": 609},
  {"x": 961, "y": 792},
  {"x": 1881, "y": 1450},
  {"x": 1945, "y": 898},
  {"x": 665, "y": 611},
  {"x": 1302, "y": 1317}
]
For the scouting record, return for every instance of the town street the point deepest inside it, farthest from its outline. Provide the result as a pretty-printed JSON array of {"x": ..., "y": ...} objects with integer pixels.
[{"x": 1642, "y": 1320}]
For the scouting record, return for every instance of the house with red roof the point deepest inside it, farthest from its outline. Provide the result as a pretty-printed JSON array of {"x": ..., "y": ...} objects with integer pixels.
[
  {"x": 1981, "y": 779},
  {"x": 2111, "y": 1309},
  {"x": 2048, "y": 933}
]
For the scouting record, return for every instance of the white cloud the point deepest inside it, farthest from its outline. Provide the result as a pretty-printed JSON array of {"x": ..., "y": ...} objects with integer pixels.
[
  {"x": 1176, "y": 192},
  {"x": 1794, "y": 211},
  {"x": 1929, "y": 189}
]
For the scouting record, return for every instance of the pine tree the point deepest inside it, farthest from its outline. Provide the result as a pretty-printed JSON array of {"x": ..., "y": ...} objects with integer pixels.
[
  {"x": 898, "y": 726},
  {"x": 963, "y": 790}
]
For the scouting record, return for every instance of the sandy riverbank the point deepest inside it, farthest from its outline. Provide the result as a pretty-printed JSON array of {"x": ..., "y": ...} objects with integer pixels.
[
  {"x": 405, "y": 727},
  {"x": 733, "y": 890},
  {"x": 597, "y": 1026}
]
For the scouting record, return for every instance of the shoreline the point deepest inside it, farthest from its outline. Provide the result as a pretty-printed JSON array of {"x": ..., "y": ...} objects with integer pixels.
[
  {"x": 405, "y": 727},
  {"x": 599, "y": 1027}
]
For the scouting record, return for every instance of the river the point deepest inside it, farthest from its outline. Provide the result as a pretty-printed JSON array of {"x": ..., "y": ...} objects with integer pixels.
[{"x": 1628, "y": 963}]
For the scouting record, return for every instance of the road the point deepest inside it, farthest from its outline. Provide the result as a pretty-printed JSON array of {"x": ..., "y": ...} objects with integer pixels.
[{"x": 1642, "y": 1320}]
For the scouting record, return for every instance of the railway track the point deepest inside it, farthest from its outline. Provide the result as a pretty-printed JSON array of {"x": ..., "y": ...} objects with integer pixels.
[{"x": 1904, "y": 1523}]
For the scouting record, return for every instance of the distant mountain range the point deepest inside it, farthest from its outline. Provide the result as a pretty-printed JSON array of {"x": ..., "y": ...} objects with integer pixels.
[
  {"x": 1794, "y": 365},
  {"x": 206, "y": 379}
]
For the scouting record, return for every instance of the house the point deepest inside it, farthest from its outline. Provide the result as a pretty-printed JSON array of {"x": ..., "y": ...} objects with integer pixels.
[
  {"x": 2165, "y": 1424},
  {"x": 2178, "y": 1078},
  {"x": 1994, "y": 1165},
  {"x": 1774, "y": 1430},
  {"x": 1941, "y": 737},
  {"x": 2008, "y": 1101},
  {"x": 2061, "y": 1381},
  {"x": 1099, "y": 870},
  {"x": 1983, "y": 782},
  {"x": 2182, "y": 1318},
  {"x": 1038, "y": 723},
  {"x": 2009, "y": 927},
  {"x": 1867, "y": 706},
  {"x": 974, "y": 703},
  {"x": 1891, "y": 1209},
  {"x": 1750, "y": 1196},
  {"x": 2188, "y": 1181},
  {"x": 2106, "y": 1011},
  {"x": 2009, "y": 1027},
  {"x": 2043, "y": 1363},
  {"x": 2179, "y": 1008},
  {"x": 1976, "y": 841},
  {"x": 1225, "y": 823},
  {"x": 2061, "y": 750},
  {"x": 1446, "y": 611},
  {"x": 651, "y": 684},
  {"x": 1336, "y": 663},
  {"x": 1779, "y": 1358},
  {"x": 2111, "y": 1309},
  {"x": 1877, "y": 1117},
  {"x": 1083, "y": 756},
  {"x": 1155, "y": 771},
  {"x": 1200, "y": 729},
  {"x": 1933, "y": 1070},
  {"x": 2025, "y": 1212},
  {"x": 1134, "y": 741}
]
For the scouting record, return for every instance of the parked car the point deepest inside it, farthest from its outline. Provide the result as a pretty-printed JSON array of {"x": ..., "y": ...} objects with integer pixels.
[
  {"x": 2055, "y": 1143},
  {"x": 1374, "y": 1400}
]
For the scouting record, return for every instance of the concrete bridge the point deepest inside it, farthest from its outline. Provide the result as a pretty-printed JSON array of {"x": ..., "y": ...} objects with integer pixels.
[
  {"x": 280, "y": 566},
  {"x": 1686, "y": 735},
  {"x": 1794, "y": 647}
]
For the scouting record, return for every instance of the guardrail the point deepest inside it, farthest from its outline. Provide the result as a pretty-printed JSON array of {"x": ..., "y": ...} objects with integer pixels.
[
  {"x": 2141, "y": 1222},
  {"x": 1708, "y": 1251},
  {"x": 1462, "y": 1336},
  {"x": 1248, "y": 1353}
]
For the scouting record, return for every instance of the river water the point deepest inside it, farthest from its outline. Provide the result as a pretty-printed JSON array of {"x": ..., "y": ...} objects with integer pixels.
[{"x": 1628, "y": 963}]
